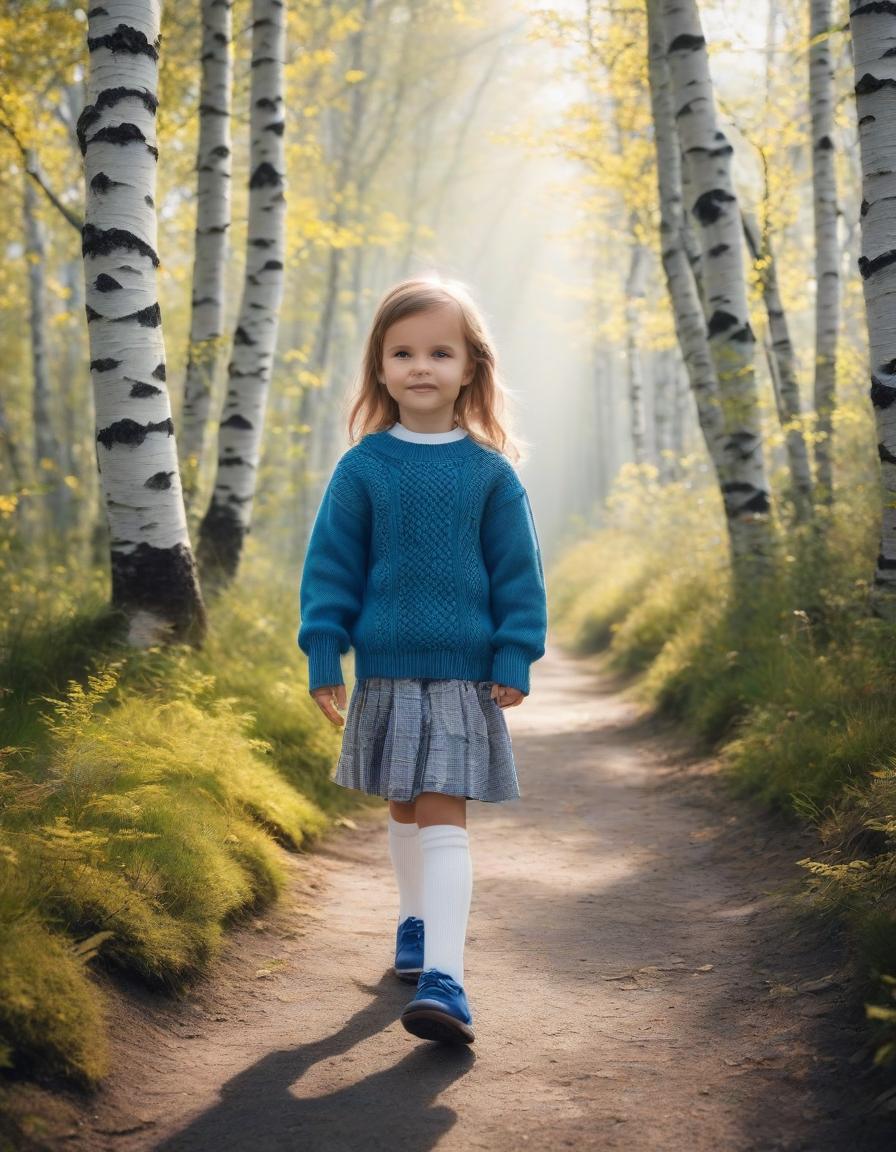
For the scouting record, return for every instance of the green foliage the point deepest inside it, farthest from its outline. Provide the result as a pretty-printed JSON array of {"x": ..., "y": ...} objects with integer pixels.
[{"x": 145, "y": 812}]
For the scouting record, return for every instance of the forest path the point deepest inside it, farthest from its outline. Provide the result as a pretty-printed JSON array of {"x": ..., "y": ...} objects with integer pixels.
[{"x": 633, "y": 982}]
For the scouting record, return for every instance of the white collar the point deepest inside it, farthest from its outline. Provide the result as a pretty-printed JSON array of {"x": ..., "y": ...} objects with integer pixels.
[{"x": 398, "y": 430}]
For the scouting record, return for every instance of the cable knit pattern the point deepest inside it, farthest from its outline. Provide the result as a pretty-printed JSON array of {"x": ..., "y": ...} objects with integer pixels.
[{"x": 425, "y": 559}]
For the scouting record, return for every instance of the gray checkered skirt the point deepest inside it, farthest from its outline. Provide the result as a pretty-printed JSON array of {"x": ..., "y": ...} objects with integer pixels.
[{"x": 404, "y": 736}]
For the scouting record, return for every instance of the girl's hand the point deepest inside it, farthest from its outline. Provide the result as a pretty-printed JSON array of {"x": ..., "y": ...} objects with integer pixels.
[
  {"x": 507, "y": 697},
  {"x": 323, "y": 697}
]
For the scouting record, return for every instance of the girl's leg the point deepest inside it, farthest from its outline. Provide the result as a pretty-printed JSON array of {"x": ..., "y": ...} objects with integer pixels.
[
  {"x": 447, "y": 880},
  {"x": 404, "y": 850}
]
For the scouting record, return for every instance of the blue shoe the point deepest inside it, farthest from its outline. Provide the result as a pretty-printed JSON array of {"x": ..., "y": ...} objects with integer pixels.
[
  {"x": 439, "y": 1011},
  {"x": 409, "y": 949}
]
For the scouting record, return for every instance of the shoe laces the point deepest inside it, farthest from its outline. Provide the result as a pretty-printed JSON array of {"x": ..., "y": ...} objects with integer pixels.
[
  {"x": 440, "y": 979},
  {"x": 413, "y": 927}
]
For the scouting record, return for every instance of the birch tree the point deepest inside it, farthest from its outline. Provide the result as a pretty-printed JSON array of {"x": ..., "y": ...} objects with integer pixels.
[
  {"x": 687, "y": 306},
  {"x": 228, "y": 519},
  {"x": 47, "y": 462},
  {"x": 782, "y": 368},
  {"x": 154, "y": 578},
  {"x": 827, "y": 252},
  {"x": 213, "y": 166},
  {"x": 873, "y": 27},
  {"x": 707, "y": 154}
]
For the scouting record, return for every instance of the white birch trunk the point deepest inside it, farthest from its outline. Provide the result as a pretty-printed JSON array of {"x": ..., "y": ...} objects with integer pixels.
[
  {"x": 229, "y": 516},
  {"x": 635, "y": 288},
  {"x": 154, "y": 577},
  {"x": 47, "y": 457},
  {"x": 782, "y": 365},
  {"x": 708, "y": 154},
  {"x": 687, "y": 307},
  {"x": 213, "y": 165},
  {"x": 827, "y": 253},
  {"x": 873, "y": 27}
]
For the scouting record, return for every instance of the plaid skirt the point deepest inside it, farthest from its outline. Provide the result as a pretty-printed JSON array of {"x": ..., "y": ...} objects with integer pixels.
[{"x": 408, "y": 735}]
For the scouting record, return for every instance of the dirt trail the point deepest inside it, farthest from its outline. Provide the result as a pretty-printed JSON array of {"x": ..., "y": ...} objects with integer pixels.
[{"x": 633, "y": 983}]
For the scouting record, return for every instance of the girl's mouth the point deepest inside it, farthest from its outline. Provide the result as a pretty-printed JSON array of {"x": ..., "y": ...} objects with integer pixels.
[{"x": 422, "y": 388}]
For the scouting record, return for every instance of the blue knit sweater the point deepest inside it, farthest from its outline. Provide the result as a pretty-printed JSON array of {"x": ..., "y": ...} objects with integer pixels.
[{"x": 424, "y": 558}]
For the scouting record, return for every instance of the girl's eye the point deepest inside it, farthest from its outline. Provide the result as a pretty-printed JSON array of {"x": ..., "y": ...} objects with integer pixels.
[{"x": 439, "y": 352}]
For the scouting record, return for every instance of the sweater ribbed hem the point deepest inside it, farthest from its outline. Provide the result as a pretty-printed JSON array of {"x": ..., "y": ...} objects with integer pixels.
[
  {"x": 446, "y": 664},
  {"x": 385, "y": 444},
  {"x": 511, "y": 667},
  {"x": 324, "y": 665}
]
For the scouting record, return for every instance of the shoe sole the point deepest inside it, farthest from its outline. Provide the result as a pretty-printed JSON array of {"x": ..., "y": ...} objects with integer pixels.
[
  {"x": 431, "y": 1024},
  {"x": 409, "y": 975}
]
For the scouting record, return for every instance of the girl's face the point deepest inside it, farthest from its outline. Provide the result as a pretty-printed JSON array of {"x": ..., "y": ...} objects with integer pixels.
[{"x": 427, "y": 349}]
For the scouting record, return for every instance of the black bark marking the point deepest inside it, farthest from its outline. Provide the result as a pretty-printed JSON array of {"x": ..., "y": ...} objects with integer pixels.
[
  {"x": 866, "y": 120},
  {"x": 162, "y": 580},
  {"x": 126, "y": 39},
  {"x": 236, "y": 421},
  {"x": 759, "y": 503},
  {"x": 889, "y": 367},
  {"x": 884, "y": 564},
  {"x": 149, "y": 317},
  {"x": 686, "y": 43},
  {"x": 102, "y": 183},
  {"x": 160, "y": 372},
  {"x": 104, "y": 365},
  {"x": 265, "y": 176},
  {"x": 869, "y": 84},
  {"x": 719, "y": 249},
  {"x": 220, "y": 150},
  {"x": 122, "y": 134},
  {"x": 221, "y": 537},
  {"x": 878, "y": 6},
  {"x": 96, "y": 12},
  {"x": 232, "y": 461},
  {"x": 863, "y": 210},
  {"x": 267, "y": 102},
  {"x": 241, "y": 336},
  {"x": 106, "y": 283},
  {"x": 825, "y": 144},
  {"x": 130, "y": 432},
  {"x": 103, "y": 241},
  {"x": 869, "y": 267},
  {"x": 147, "y": 199},
  {"x": 234, "y": 499},
  {"x": 272, "y": 266},
  {"x": 882, "y": 395},
  {"x": 885, "y": 454},
  {"x": 276, "y": 127},
  {"x": 140, "y": 390},
  {"x": 159, "y": 480},
  {"x": 92, "y": 314},
  {"x": 720, "y": 322},
  {"x": 708, "y": 207}
]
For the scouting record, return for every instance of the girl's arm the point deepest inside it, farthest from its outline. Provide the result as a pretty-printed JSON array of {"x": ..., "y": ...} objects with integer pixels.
[
  {"x": 333, "y": 577},
  {"x": 516, "y": 577}
]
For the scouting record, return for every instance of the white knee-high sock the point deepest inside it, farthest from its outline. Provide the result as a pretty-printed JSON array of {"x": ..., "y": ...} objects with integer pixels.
[
  {"x": 447, "y": 892},
  {"x": 404, "y": 849}
]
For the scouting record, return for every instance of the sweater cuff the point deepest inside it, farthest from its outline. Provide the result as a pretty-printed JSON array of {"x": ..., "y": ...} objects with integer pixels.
[
  {"x": 324, "y": 665},
  {"x": 510, "y": 666}
]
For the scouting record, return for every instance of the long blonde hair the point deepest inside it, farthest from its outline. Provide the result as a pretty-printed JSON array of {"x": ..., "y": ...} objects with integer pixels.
[{"x": 479, "y": 408}]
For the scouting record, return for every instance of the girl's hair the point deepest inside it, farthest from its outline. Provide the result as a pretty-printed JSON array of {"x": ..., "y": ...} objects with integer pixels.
[{"x": 480, "y": 405}]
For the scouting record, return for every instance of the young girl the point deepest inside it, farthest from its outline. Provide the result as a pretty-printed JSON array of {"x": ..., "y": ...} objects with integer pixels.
[{"x": 424, "y": 558}]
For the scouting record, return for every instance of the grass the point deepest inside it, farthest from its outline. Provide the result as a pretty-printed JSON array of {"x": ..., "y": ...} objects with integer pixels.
[{"x": 143, "y": 797}]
